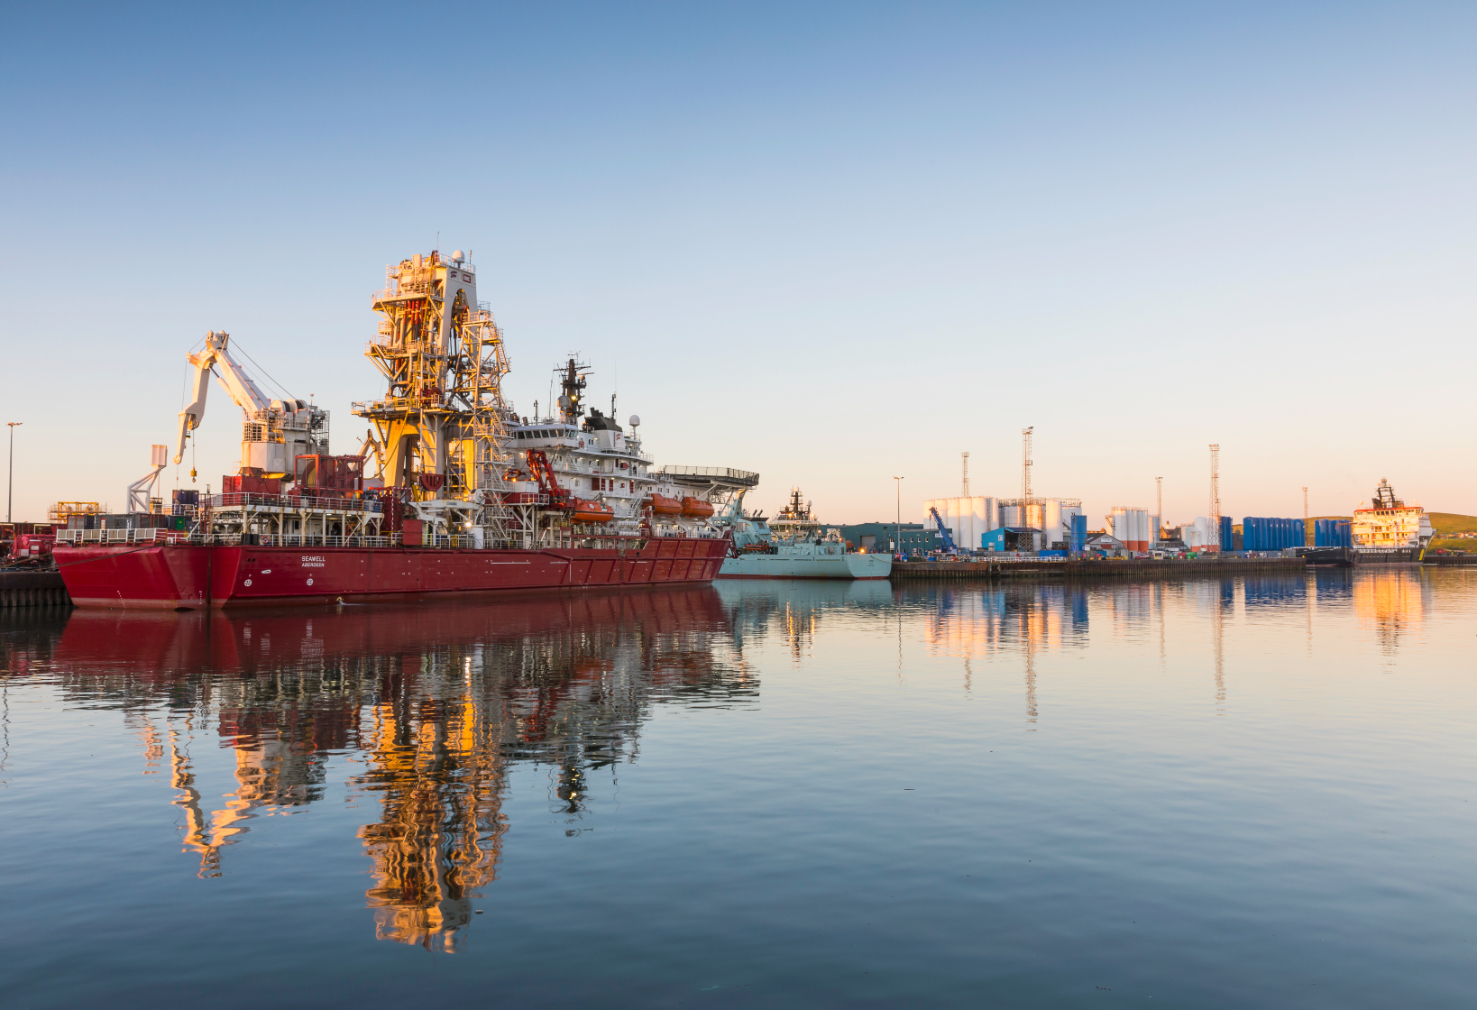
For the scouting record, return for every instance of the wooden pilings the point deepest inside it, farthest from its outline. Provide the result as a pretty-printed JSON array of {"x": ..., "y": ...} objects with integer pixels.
[{"x": 32, "y": 589}]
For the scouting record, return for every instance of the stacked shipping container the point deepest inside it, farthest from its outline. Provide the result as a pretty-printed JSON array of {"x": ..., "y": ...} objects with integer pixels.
[
  {"x": 1268, "y": 534},
  {"x": 1332, "y": 533}
]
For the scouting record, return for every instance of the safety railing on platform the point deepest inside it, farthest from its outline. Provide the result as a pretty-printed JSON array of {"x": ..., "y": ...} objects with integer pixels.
[
  {"x": 83, "y": 538},
  {"x": 292, "y": 502},
  {"x": 122, "y": 536}
]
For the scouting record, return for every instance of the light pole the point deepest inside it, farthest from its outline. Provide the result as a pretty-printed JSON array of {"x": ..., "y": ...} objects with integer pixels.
[
  {"x": 10, "y": 483},
  {"x": 1158, "y": 507},
  {"x": 897, "y": 546}
]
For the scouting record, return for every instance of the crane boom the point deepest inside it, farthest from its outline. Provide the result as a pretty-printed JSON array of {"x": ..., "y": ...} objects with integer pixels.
[
  {"x": 943, "y": 530},
  {"x": 276, "y": 432},
  {"x": 238, "y": 384}
]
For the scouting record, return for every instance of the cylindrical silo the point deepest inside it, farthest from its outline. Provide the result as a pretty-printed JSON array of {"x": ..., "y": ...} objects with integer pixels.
[{"x": 1051, "y": 522}]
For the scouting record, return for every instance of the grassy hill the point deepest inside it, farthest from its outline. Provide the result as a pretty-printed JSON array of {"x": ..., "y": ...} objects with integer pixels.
[{"x": 1452, "y": 522}]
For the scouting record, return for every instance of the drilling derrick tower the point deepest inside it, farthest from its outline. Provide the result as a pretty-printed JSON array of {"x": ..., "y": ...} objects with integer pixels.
[{"x": 441, "y": 430}]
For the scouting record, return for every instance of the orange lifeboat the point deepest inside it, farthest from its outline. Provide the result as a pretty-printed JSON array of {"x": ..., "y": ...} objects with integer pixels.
[
  {"x": 696, "y": 507},
  {"x": 591, "y": 512},
  {"x": 664, "y": 506}
]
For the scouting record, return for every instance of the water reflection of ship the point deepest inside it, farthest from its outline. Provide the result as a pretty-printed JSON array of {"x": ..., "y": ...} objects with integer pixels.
[
  {"x": 1392, "y": 602},
  {"x": 971, "y": 623},
  {"x": 760, "y": 608},
  {"x": 449, "y": 699}
]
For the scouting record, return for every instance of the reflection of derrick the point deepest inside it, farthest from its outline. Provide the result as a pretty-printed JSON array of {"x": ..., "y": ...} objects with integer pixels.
[
  {"x": 270, "y": 774},
  {"x": 204, "y": 835},
  {"x": 439, "y": 769}
]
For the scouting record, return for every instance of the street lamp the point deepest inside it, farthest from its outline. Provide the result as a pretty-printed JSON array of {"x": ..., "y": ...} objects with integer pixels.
[
  {"x": 898, "y": 544},
  {"x": 10, "y": 488}
]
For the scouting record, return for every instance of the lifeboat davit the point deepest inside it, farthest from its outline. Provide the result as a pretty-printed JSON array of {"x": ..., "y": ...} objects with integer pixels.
[
  {"x": 664, "y": 506},
  {"x": 591, "y": 512},
  {"x": 696, "y": 507}
]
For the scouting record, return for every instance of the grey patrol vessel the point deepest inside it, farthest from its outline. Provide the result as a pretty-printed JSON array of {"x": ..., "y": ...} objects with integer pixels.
[{"x": 793, "y": 545}]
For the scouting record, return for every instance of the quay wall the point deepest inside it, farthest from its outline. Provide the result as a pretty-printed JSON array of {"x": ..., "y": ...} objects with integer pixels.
[
  {"x": 33, "y": 589},
  {"x": 1091, "y": 569}
]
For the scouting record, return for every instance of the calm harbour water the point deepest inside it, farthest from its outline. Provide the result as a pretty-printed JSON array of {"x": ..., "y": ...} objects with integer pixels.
[{"x": 1244, "y": 793}]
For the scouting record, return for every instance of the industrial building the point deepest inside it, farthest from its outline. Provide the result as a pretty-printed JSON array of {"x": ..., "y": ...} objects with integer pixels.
[
  {"x": 1011, "y": 538},
  {"x": 1105, "y": 543},
  {"x": 910, "y": 537}
]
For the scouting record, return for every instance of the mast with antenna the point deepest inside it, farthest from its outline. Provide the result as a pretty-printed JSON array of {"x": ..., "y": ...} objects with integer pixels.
[{"x": 964, "y": 491}]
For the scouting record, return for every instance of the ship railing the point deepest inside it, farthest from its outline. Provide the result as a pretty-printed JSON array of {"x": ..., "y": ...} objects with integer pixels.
[
  {"x": 717, "y": 474},
  {"x": 81, "y": 537},
  {"x": 309, "y": 540},
  {"x": 292, "y": 502}
]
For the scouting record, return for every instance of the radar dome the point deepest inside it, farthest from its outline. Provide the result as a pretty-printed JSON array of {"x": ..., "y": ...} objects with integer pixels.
[
  {"x": 635, "y": 420},
  {"x": 457, "y": 256}
]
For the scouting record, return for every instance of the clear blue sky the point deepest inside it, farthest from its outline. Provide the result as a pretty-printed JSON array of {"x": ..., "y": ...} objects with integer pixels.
[{"x": 833, "y": 245}]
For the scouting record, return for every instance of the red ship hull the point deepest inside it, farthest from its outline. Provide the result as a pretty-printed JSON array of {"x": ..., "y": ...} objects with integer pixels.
[{"x": 195, "y": 576}]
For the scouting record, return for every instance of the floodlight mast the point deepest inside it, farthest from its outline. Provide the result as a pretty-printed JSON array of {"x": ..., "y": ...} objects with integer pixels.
[{"x": 1215, "y": 496}]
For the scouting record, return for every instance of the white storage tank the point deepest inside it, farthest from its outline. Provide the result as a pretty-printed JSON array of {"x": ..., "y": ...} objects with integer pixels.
[
  {"x": 966, "y": 519},
  {"x": 1131, "y": 526}
]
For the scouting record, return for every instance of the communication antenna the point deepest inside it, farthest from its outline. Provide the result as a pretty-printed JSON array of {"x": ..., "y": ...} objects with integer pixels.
[
  {"x": 964, "y": 491},
  {"x": 1215, "y": 496}
]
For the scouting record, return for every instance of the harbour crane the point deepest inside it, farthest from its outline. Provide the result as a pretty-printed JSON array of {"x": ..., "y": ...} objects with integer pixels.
[
  {"x": 275, "y": 432},
  {"x": 943, "y": 531}
]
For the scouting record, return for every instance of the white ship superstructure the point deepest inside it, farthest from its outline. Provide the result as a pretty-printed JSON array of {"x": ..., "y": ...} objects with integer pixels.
[
  {"x": 597, "y": 462},
  {"x": 1390, "y": 524}
]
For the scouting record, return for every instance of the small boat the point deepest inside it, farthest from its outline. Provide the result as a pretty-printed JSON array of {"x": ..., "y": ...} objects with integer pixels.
[
  {"x": 696, "y": 507},
  {"x": 663, "y": 506},
  {"x": 591, "y": 512}
]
